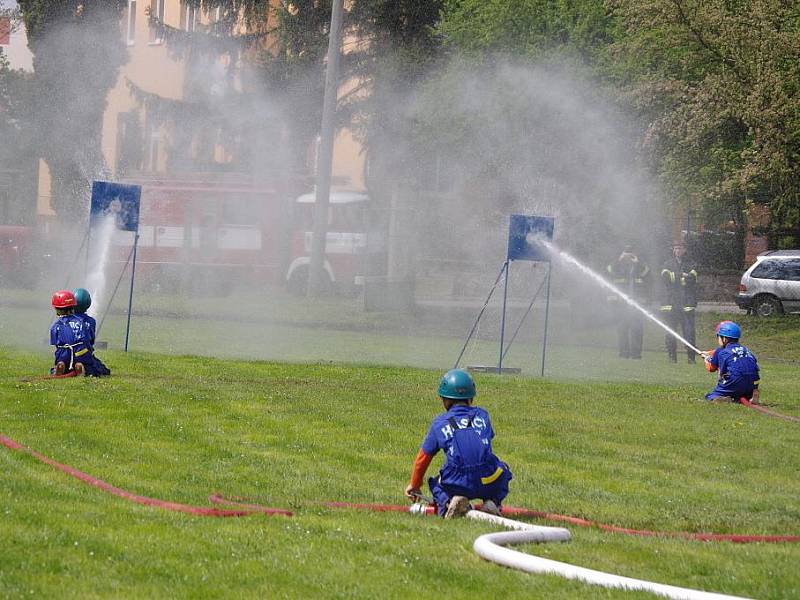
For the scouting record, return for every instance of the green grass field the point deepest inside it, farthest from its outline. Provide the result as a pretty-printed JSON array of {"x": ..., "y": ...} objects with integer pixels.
[{"x": 630, "y": 445}]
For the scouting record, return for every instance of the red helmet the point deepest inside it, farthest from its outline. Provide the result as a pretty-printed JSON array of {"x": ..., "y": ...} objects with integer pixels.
[{"x": 64, "y": 299}]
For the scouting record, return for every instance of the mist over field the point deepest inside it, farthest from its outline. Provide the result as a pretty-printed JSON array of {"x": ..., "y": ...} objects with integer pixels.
[{"x": 446, "y": 158}]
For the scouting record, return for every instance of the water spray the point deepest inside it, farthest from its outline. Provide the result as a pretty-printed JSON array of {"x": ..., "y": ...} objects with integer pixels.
[
  {"x": 100, "y": 251},
  {"x": 568, "y": 258}
]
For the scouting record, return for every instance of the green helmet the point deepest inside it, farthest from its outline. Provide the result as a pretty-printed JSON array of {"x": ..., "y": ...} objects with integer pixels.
[
  {"x": 457, "y": 384},
  {"x": 84, "y": 300}
]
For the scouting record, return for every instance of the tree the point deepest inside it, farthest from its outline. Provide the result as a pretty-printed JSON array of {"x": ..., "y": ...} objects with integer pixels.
[
  {"x": 397, "y": 47},
  {"x": 78, "y": 51},
  {"x": 267, "y": 91},
  {"x": 581, "y": 29},
  {"x": 17, "y": 149},
  {"x": 721, "y": 83}
]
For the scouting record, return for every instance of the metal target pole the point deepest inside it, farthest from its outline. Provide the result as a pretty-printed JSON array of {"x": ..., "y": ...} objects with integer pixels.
[
  {"x": 503, "y": 318},
  {"x": 114, "y": 293},
  {"x": 130, "y": 293},
  {"x": 480, "y": 314},
  {"x": 525, "y": 316},
  {"x": 546, "y": 313}
]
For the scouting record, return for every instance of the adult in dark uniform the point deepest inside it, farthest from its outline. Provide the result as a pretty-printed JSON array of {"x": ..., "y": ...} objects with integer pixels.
[
  {"x": 632, "y": 276},
  {"x": 679, "y": 299}
]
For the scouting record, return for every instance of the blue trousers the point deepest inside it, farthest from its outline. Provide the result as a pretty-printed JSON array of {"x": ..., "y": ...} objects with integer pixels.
[
  {"x": 733, "y": 389},
  {"x": 92, "y": 366},
  {"x": 495, "y": 491}
]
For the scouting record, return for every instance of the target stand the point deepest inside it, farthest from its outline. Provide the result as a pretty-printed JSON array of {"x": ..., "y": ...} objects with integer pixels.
[
  {"x": 120, "y": 202},
  {"x": 525, "y": 237}
]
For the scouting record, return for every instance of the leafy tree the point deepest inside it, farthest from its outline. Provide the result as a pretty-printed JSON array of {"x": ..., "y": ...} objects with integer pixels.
[
  {"x": 17, "y": 150},
  {"x": 721, "y": 82},
  {"x": 581, "y": 29},
  {"x": 397, "y": 47},
  {"x": 277, "y": 55},
  {"x": 77, "y": 50}
]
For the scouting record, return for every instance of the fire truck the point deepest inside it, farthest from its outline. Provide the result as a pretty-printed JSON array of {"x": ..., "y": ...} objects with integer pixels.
[
  {"x": 352, "y": 245},
  {"x": 17, "y": 233},
  {"x": 218, "y": 229}
]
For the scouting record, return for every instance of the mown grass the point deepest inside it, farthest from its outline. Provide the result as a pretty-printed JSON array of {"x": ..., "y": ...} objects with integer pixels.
[{"x": 641, "y": 453}]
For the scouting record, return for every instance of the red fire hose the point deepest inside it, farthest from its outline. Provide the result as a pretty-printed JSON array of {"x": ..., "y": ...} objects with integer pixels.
[
  {"x": 245, "y": 507},
  {"x": 512, "y": 511},
  {"x": 767, "y": 411},
  {"x": 203, "y": 511}
]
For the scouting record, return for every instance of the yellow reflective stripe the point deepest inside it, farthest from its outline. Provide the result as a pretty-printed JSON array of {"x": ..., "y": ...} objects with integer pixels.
[
  {"x": 81, "y": 352},
  {"x": 666, "y": 307},
  {"x": 694, "y": 273},
  {"x": 619, "y": 280},
  {"x": 493, "y": 477},
  {"x": 688, "y": 308},
  {"x": 610, "y": 269}
]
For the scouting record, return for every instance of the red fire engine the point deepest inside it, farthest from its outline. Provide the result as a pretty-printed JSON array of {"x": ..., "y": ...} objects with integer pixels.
[{"x": 222, "y": 227}]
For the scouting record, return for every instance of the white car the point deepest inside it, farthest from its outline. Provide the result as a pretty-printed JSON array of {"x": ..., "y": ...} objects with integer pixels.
[{"x": 772, "y": 284}]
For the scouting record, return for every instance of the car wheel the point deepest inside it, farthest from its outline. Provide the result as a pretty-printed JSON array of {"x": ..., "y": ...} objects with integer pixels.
[{"x": 767, "y": 306}]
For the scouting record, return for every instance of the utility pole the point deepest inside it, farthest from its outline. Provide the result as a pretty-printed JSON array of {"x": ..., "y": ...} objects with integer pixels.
[{"x": 316, "y": 273}]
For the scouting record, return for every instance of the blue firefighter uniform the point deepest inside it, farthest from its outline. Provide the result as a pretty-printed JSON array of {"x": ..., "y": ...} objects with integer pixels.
[
  {"x": 738, "y": 372},
  {"x": 470, "y": 469},
  {"x": 73, "y": 337},
  {"x": 91, "y": 327}
]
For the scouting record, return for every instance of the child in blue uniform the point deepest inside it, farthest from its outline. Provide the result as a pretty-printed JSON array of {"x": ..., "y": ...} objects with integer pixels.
[
  {"x": 83, "y": 300},
  {"x": 471, "y": 470},
  {"x": 737, "y": 366},
  {"x": 71, "y": 336}
]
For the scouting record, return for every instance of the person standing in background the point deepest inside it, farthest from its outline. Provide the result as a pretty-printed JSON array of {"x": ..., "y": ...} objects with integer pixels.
[
  {"x": 679, "y": 299},
  {"x": 632, "y": 276}
]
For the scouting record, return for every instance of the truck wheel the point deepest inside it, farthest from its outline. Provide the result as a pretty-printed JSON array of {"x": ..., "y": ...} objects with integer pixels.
[
  {"x": 767, "y": 306},
  {"x": 298, "y": 281}
]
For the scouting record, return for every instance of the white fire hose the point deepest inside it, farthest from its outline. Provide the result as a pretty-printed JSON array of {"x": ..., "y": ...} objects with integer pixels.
[{"x": 492, "y": 547}]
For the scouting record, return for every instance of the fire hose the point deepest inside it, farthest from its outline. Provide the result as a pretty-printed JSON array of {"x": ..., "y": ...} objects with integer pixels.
[
  {"x": 767, "y": 411},
  {"x": 245, "y": 507},
  {"x": 513, "y": 511},
  {"x": 204, "y": 511},
  {"x": 490, "y": 546}
]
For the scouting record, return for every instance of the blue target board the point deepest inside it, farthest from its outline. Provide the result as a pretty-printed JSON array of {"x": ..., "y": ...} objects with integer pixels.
[
  {"x": 524, "y": 234},
  {"x": 116, "y": 199}
]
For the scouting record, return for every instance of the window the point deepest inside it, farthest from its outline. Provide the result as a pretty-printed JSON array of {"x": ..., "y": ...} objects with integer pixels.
[
  {"x": 131, "y": 37},
  {"x": 351, "y": 217},
  {"x": 157, "y": 12},
  {"x": 129, "y": 143},
  {"x": 190, "y": 17},
  {"x": 792, "y": 268},
  {"x": 768, "y": 269},
  {"x": 241, "y": 210},
  {"x": 152, "y": 144}
]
